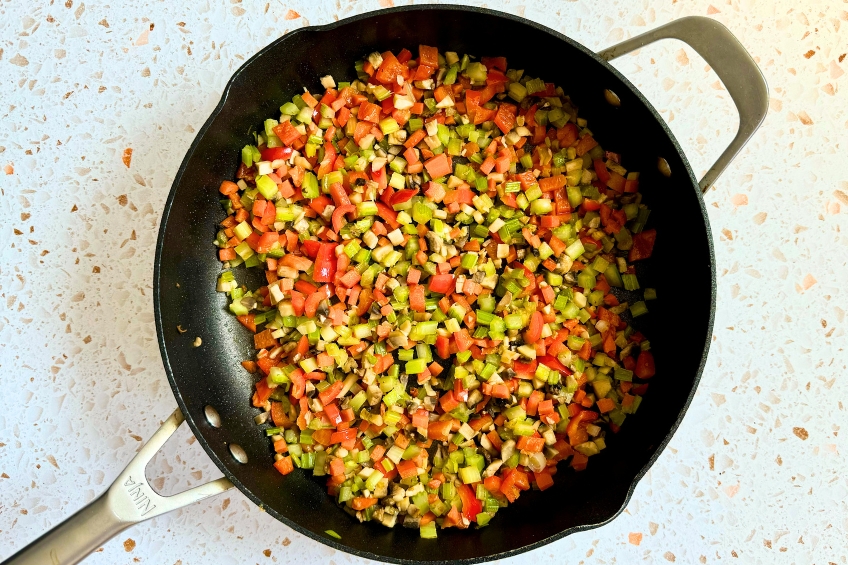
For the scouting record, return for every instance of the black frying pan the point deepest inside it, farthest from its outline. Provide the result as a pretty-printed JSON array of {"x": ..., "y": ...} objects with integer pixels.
[{"x": 213, "y": 391}]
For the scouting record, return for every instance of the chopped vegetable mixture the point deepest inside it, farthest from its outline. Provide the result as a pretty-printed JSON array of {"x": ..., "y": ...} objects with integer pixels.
[{"x": 440, "y": 239}]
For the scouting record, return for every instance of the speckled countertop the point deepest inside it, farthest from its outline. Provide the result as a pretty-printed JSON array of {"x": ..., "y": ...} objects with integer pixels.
[{"x": 754, "y": 474}]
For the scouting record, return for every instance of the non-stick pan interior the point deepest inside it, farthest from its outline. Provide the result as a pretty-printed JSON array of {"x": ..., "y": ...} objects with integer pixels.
[{"x": 678, "y": 325}]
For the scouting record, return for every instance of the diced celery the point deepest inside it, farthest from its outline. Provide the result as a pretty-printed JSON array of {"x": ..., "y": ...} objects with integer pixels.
[
  {"x": 388, "y": 126},
  {"x": 367, "y": 208},
  {"x": 585, "y": 280},
  {"x": 515, "y": 413},
  {"x": 612, "y": 275},
  {"x": 541, "y": 206},
  {"x": 469, "y": 475},
  {"x": 373, "y": 479},
  {"x": 289, "y": 109},
  {"x": 517, "y": 91},
  {"x": 243, "y": 250},
  {"x": 428, "y": 531},
  {"x": 243, "y": 230},
  {"x": 575, "y": 196},
  {"x": 267, "y": 187},
  {"x": 415, "y": 366},
  {"x": 304, "y": 115},
  {"x": 622, "y": 374},
  {"x": 309, "y": 186},
  {"x": 575, "y": 250},
  {"x": 638, "y": 308},
  {"x": 450, "y": 76},
  {"x": 476, "y": 72},
  {"x": 630, "y": 282},
  {"x": 545, "y": 250},
  {"x": 247, "y": 155},
  {"x": 514, "y": 322}
]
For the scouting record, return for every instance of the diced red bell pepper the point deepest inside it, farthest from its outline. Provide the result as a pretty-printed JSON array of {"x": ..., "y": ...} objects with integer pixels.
[
  {"x": 287, "y": 133},
  {"x": 267, "y": 241},
  {"x": 339, "y": 219},
  {"x": 601, "y": 171},
  {"x": 339, "y": 194},
  {"x": 389, "y": 215},
  {"x": 390, "y": 69},
  {"x": 554, "y": 363},
  {"x": 494, "y": 63},
  {"x": 369, "y": 112},
  {"x": 428, "y": 56},
  {"x": 534, "y": 330},
  {"x": 524, "y": 368},
  {"x": 586, "y": 143},
  {"x": 645, "y": 368},
  {"x": 463, "y": 340},
  {"x": 443, "y": 283},
  {"x": 325, "y": 263},
  {"x": 495, "y": 78},
  {"x": 313, "y": 300},
  {"x": 298, "y": 379},
  {"x": 643, "y": 245},
  {"x": 402, "y": 196},
  {"x": 590, "y": 205},
  {"x": 505, "y": 118},
  {"x": 567, "y": 135},
  {"x": 274, "y": 153},
  {"x": 404, "y": 56},
  {"x": 471, "y": 505},
  {"x": 311, "y": 247},
  {"x": 442, "y": 347},
  {"x": 331, "y": 392}
]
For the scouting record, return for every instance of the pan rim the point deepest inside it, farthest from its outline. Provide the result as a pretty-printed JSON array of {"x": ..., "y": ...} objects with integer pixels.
[{"x": 198, "y": 431}]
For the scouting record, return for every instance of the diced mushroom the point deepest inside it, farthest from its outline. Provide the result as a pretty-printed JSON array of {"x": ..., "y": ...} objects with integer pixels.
[{"x": 507, "y": 449}]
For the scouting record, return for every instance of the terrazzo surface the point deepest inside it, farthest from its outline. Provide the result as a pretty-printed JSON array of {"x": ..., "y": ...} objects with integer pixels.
[{"x": 755, "y": 474}]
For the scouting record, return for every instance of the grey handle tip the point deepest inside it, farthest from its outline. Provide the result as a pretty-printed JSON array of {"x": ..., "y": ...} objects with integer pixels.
[{"x": 129, "y": 500}]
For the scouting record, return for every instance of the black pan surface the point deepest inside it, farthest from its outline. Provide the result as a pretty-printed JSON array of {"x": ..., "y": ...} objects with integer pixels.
[{"x": 682, "y": 270}]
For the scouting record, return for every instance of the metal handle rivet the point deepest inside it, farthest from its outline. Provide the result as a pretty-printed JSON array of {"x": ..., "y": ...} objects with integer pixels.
[
  {"x": 663, "y": 167},
  {"x": 238, "y": 453},
  {"x": 612, "y": 98},
  {"x": 212, "y": 416}
]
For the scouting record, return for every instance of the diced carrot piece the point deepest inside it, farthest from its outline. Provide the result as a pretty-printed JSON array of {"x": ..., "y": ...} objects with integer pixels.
[
  {"x": 361, "y": 502},
  {"x": 605, "y": 405},
  {"x": 438, "y": 166},
  {"x": 439, "y": 430},
  {"x": 285, "y": 465},
  {"x": 337, "y": 466},
  {"x": 543, "y": 480},
  {"x": 228, "y": 187}
]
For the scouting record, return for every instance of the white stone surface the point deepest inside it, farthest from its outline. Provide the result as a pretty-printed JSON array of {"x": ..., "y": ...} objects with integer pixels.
[{"x": 755, "y": 473}]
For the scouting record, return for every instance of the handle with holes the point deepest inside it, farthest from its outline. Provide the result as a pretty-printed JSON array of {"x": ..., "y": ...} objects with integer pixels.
[
  {"x": 733, "y": 65},
  {"x": 128, "y": 501}
]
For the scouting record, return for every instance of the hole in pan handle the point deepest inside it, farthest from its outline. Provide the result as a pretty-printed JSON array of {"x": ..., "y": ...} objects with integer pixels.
[
  {"x": 129, "y": 500},
  {"x": 733, "y": 65}
]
